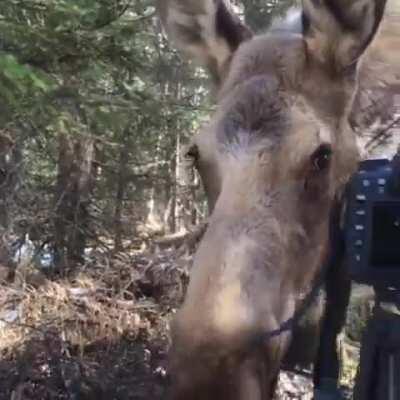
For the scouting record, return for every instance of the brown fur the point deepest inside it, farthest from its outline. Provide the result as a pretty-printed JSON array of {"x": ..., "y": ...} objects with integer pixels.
[{"x": 284, "y": 99}]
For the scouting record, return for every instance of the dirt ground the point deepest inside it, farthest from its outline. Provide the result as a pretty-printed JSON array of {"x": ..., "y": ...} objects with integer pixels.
[{"x": 99, "y": 333}]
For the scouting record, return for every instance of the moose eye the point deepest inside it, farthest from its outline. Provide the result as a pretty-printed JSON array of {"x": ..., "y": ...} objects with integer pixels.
[
  {"x": 321, "y": 158},
  {"x": 191, "y": 152}
]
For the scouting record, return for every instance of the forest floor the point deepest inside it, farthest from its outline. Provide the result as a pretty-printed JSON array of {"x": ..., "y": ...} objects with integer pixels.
[{"x": 100, "y": 333}]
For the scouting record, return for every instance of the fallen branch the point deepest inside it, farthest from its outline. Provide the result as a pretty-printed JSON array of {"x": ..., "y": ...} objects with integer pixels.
[{"x": 187, "y": 239}]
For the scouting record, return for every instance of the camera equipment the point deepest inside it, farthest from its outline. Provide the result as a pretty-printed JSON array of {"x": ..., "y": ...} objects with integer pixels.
[
  {"x": 372, "y": 255},
  {"x": 372, "y": 223}
]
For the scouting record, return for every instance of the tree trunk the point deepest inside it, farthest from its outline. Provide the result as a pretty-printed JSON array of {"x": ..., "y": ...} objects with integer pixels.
[
  {"x": 184, "y": 179},
  {"x": 154, "y": 221},
  {"x": 173, "y": 198},
  {"x": 10, "y": 161},
  {"x": 73, "y": 196},
  {"x": 121, "y": 189}
]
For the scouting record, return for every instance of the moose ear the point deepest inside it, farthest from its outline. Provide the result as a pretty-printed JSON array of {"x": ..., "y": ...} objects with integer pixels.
[
  {"x": 338, "y": 31},
  {"x": 207, "y": 30}
]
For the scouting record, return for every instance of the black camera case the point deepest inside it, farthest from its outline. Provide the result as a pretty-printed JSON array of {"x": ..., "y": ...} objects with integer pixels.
[{"x": 372, "y": 223}]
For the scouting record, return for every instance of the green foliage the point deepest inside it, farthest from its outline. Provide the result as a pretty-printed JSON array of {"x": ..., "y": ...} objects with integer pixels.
[
  {"x": 20, "y": 84},
  {"x": 101, "y": 68}
]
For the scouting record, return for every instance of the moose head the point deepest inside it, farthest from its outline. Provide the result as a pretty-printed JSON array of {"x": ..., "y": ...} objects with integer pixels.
[{"x": 273, "y": 158}]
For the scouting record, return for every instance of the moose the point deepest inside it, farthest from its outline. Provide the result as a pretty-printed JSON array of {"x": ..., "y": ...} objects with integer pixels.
[{"x": 273, "y": 160}]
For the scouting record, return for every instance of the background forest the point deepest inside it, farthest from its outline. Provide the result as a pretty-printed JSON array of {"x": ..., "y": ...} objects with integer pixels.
[
  {"x": 95, "y": 107},
  {"x": 96, "y": 194}
]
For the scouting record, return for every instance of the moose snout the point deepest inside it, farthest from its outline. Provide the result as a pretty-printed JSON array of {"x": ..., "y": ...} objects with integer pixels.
[{"x": 235, "y": 294}]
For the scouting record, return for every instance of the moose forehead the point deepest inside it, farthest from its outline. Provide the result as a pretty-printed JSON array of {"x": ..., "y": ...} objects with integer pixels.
[
  {"x": 254, "y": 113},
  {"x": 267, "y": 99}
]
